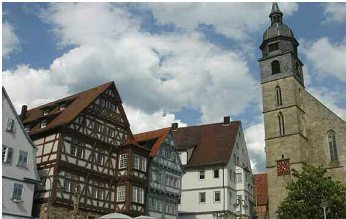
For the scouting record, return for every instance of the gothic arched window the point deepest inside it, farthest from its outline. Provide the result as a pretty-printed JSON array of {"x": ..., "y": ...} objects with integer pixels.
[
  {"x": 278, "y": 96},
  {"x": 333, "y": 152},
  {"x": 281, "y": 124},
  {"x": 276, "y": 67}
]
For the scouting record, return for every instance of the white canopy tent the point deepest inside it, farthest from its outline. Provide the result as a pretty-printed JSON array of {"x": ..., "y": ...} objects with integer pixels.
[
  {"x": 115, "y": 216},
  {"x": 145, "y": 217}
]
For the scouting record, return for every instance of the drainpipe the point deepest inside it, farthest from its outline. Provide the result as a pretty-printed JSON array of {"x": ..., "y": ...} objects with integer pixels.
[{"x": 223, "y": 186}]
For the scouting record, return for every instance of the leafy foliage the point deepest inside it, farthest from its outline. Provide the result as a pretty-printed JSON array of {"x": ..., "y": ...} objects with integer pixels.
[{"x": 307, "y": 192}]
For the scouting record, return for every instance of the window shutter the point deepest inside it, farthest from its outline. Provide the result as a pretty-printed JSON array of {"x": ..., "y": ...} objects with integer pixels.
[{"x": 9, "y": 126}]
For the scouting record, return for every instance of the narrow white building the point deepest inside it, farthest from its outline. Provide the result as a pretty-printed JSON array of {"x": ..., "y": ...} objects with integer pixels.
[
  {"x": 218, "y": 179},
  {"x": 19, "y": 173}
]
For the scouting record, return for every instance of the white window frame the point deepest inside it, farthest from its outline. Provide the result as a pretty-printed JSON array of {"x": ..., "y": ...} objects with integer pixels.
[
  {"x": 217, "y": 192},
  {"x": 7, "y": 153},
  {"x": 218, "y": 173},
  {"x": 43, "y": 124},
  {"x": 143, "y": 164},
  {"x": 199, "y": 175},
  {"x": 10, "y": 125},
  {"x": 21, "y": 162},
  {"x": 67, "y": 182},
  {"x": 136, "y": 161},
  {"x": 123, "y": 161},
  {"x": 121, "y": 193},
  {"x": 18, "y": 198},
  {"x": 200, "y": 197},
  {"x": 100, "y": 158}
]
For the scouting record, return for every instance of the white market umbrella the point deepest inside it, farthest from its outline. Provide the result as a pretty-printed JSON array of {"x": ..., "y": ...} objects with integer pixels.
[
  {"x": 115, "y": 216},
  {"x": 145, "y": 217}
]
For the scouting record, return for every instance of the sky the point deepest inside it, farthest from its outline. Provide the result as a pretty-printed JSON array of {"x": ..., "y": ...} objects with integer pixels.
[{"x": 191, "y": 63}]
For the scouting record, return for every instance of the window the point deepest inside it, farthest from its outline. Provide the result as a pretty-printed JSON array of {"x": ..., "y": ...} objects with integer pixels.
[
  {"x": 137, "y": 194},
  {"x": 273, "y": 47},
  {"x": 216, "y": 173},
  {"x": 100, "y": 158},
  {"x": 275, "y": 67},
  {"x": 167, "y": 153},
  {"x": 217, "y": 196},
  {"x": 202, "y": 197},
  {"x": 67, "y": 182},
  {"x": 234, "y": 177},
  {"x": 235, "y": 159},
  {"x": 230, "y": 175},
  {"x": 27, "y": 128},
  {"x": 45, "y": 112},
  {"x": 94, "y": 192},
  {"x": 121, "y": 193},
  {"x": 281, "y": 124},
  {"x": 122, "y": 161},
  {"x": 62, "y": 106},
  {"x": 6, "y": 154},
  {"x": 18, "y": 190},
  {"x": 10, "y": 125},
  {"x": 239, "y": 177},
  {"x": 143, "y": 164},
  {"x": 333, "y": 152},
  {"x": 76, "y": 149},
  {"x": 278, "y": 96},
  {"x": 43, "y": 124},
  {"x": 201, "y": 174},
  {"x": 136, "y": 160},
  {"x": 23, "y": 159},
  {"x": 97, "y": 127},
  {"x": 111, "y": 132}
]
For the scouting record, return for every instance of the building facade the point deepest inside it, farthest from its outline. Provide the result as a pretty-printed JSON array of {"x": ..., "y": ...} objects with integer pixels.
[
  {"x": 19, "y": 173},
  {"x": 261, "y": 196},
  {"x": 85, "y": 156},
  {"x": 218, "y": 180},
  {"x": 165, "y": 173},
  {"x": 298, "y": 128}
]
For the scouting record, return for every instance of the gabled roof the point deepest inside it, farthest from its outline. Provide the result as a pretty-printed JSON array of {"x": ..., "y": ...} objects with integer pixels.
[
  {"x": 75, "y": 104},
  {"x": 34, "y": 148},
  {"x": 213, "y": 143},
  {"x": 158, "y": 136},
  {"x": 261, "y": 188}
]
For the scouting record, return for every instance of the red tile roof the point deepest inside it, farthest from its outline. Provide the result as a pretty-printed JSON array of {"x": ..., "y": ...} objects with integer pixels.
[
  {"x": 261, "y": 189},
  {"x": 213, "y": 143},
  {"x": 158, "y": 136},
  {"x": 77, "y": 103}
]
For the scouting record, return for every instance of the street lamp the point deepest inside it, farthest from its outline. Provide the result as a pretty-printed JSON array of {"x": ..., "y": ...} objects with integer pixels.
[
  {"x": 239, "y": 202},
  {"x": 220, "y": 214},
  {"x": 324, "y": 205}
]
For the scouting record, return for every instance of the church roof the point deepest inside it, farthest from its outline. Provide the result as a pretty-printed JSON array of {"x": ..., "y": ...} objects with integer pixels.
[
  {"x": 261, "y": 189},
  {"x": 75, "y": 104},
  {"x": 157, "y": 136},
  {"x": 213, "y": 143}
]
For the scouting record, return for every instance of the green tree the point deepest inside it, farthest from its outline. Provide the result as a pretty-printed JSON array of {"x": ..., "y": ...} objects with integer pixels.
[{"x": 308, "y": 190}]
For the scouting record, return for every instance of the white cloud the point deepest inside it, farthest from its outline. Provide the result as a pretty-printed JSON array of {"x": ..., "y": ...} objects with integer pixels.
[
  {"x": 334, "y": 12},
  {"x": 141, "y": 121},
  {"x": 234, "y": 20},
  {"x": 153, "y": 73},
  {"x": 327, "y": 58},
  {"x": 81, "y": 23},
  {"x": 10, "y": 41},
  {"x": 254, "y": 136}
]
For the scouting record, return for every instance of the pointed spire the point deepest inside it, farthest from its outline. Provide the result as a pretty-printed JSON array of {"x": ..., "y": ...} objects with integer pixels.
[{"x": 275, "y": 15}]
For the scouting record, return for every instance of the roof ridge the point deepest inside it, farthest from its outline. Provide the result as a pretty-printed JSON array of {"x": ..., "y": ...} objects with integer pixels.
[{"x": 218, "y": 123}]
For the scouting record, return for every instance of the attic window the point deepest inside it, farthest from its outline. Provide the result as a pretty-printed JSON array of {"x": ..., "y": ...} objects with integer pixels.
[
  {"x": 62, "y": 106},
  {"x": 45, "y": 112},
  {"x": 43, "y": 124},
  {"x": 27, "y": 128}
]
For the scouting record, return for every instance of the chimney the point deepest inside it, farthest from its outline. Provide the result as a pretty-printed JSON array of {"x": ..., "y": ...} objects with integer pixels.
[
  {"x": 226, "y": 120},
  {"x": 23, "y": 112},
  {"x": 174, "y": 126}
]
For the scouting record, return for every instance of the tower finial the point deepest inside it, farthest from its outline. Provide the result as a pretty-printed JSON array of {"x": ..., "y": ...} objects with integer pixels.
[{"x": 275, "y": 15}]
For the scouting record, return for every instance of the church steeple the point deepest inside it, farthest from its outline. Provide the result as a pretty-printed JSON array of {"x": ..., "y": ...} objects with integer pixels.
[{"x": 276, "y": 14}]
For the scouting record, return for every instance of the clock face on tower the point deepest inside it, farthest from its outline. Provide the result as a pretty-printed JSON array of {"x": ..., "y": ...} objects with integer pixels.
[{"x": 283, "y": 167}]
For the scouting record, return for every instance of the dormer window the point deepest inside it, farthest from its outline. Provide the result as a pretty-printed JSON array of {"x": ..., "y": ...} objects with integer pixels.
[
  {"x": 27, "y": 128},
  {"x": 45, "y": 112},
  {"x": 43, "y": 124},
  {"x": 62, "y": 106}
]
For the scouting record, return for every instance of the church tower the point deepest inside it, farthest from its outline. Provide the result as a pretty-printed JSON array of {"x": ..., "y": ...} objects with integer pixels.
[{"x": 282, "y": 84}]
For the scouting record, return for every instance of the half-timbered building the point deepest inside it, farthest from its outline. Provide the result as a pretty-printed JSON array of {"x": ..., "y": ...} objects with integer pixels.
[
  {"x": 165, "y": 173},
  {"x": 84, "y": 156}
]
